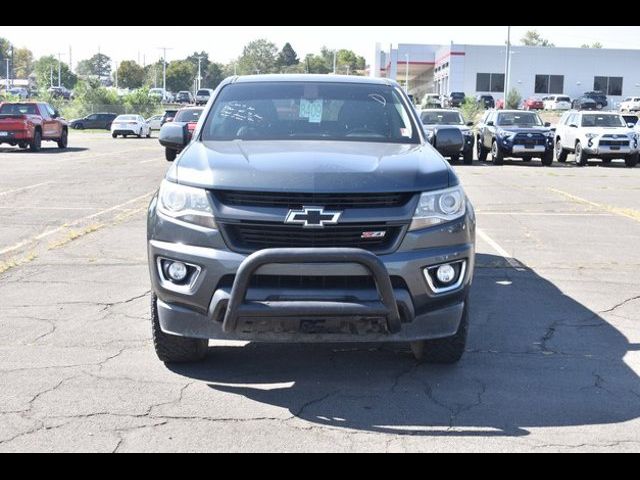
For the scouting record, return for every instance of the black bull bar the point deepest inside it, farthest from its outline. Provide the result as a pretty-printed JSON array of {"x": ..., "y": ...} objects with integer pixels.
[{"x": 239, "y": 307}]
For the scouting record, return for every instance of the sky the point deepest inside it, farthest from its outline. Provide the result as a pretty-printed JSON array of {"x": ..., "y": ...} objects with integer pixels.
[{"x": 225, "y": 43}]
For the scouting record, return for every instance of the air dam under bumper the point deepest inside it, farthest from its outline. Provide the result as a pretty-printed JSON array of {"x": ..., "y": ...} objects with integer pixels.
[{"x": 385, "y": 313}]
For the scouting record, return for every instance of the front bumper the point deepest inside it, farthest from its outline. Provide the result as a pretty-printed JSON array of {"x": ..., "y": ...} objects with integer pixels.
[{"x": 220, "y": 303}]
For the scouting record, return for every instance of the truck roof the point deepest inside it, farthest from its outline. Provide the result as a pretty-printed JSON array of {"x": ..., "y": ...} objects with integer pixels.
[{"x": 312, "y": 78}]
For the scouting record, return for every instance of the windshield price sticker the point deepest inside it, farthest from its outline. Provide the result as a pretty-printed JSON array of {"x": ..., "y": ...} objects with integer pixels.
[{"x": 311, "y": 110}]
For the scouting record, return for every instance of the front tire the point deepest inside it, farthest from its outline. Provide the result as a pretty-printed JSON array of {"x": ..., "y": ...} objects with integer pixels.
[
  {"x": 547, "y": 159},
  {"x": 467, "y": 156},
  {"x": 454, "y": 158},
  {"x": 64, "y": 140},
  {"x": 114, "y": 135},
  {"x": 170, "y": 154},
  {"x": 480, "y": 150},
  {"x": 561, "y": 153},
  {"x": 632, "y": 160},
  {"x": 496, "y": 154},
  {"x": 171, "y": 348},
  {"x": 444, "y": 351},
  {"x": 581, "y": 158}
]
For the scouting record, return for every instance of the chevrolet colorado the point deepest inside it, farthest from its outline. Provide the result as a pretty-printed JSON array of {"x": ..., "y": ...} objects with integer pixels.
[{"x": 309, "y": 208}]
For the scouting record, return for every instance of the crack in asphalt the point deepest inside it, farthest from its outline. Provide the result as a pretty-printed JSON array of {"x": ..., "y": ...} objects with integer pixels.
[
  {"x": 621, "y": 304},
  {"x": 457, "y": 409},
  {"x": 124, "y": 302}
]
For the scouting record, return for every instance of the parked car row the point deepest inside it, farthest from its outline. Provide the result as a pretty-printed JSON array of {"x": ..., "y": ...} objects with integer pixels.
[{"x": 522, "y": 134}]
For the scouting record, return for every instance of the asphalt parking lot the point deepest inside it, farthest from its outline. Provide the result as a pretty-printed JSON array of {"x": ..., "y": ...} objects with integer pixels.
[{"x": 552, "y": 365}]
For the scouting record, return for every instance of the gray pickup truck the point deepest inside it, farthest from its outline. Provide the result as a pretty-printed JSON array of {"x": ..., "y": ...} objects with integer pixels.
[{"x": 310, "y": 208}]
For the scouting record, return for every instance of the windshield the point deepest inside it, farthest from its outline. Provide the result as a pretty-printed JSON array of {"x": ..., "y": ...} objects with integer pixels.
[
  {"x": 563, "y": 99},
  {"x": 188, "y": 116},
  {"x": 310, "y": 111},
  {"x": 127, "y": 118},
  {"x": 441, "y": 118},
  {"x": 519, "y": 119},
  {"x": 18, "y": 109},
  {"x": 603, "y": 121},
  {"x": 202, "y": 93}
]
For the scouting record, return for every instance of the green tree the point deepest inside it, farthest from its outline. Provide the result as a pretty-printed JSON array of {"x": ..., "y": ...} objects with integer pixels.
[
  {"x": 347, "y": 61},
  {"x": 180, "y": 75},
  {"x": 5, "y": 46},
  {"x": 98, "y": 65},
  {"x": 593, "y": 45},
  {"x": 153, "y": 74},
  {"x": 46, "y": 68},
  {"x": 513, "y": 99},
  {"x": 316, "y": 64},
  {"x": 258, "y": 56},
  {"x": 130, "y": 74},
  {"x": 22, "y": 63},
  {"x": 287, "y": 56},
  {"x": 532, "y": 38},
  {"x": 213, "y": 76}
]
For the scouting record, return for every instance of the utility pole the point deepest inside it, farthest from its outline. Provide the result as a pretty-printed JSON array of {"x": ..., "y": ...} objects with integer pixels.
[
  {"x": 507, "y": 60},
  {"x": 164, "y": 66},
  {"x": 335, "y": 61},
  {"x": 51, "y": 75},
  {"x": 199, "y": 84},
  {"x": 60, "y": 68},
  {"x": 406, "y": 73},
  {"x": 70, "y": 59},
  {"x": 115, "y": 64}
]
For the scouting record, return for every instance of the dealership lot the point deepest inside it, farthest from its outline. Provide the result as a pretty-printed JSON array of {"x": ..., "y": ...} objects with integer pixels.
[{"x": 553, "y": 360}]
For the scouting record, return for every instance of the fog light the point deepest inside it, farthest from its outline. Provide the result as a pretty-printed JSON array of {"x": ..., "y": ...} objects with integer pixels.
[
  {"x": 446, "y": 274},
  {"x": 177, "y": 271}
]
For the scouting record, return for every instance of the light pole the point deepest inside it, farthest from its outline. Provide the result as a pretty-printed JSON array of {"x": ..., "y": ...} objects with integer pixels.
[
  {"x": 335, "y": 61},
  {"x": 199, "y": 84},
  {"x": 507, "y": 61},
  {"x": 406, "y": 73},
  {"x": 164, "y": 67},
  {"x": 59, "y": 69}
]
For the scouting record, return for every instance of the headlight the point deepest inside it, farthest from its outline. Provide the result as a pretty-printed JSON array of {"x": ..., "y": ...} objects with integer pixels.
[
  {"x": 507, "y": 135},
  {"x": 187, "y": 204},
  {"x": 590, "y": 135},
  {"x": 439, "y": 207},
  {"x": 467, "y": 133}
]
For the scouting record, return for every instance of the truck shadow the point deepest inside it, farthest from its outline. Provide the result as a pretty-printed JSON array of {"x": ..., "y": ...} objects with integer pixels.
[{"x": 536, "y": 358}]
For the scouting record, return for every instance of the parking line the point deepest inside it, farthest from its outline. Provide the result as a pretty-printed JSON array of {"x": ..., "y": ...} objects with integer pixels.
[
  {"x": 622, "y": 212},
  {"x": 53, "y": 231},
  {"x": 22, "y": 189},
  {"x": 149, "y": 161},
  {"x": 501, "y": 251},
  {"x": 547, "y": 214}
]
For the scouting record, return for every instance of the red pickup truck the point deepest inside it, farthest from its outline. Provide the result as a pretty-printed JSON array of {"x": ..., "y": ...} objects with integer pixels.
[{"x": 27, "y": 124}]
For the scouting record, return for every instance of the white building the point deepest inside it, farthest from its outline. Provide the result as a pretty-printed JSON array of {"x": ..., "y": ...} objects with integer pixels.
[{"x": 534, "y": 71}]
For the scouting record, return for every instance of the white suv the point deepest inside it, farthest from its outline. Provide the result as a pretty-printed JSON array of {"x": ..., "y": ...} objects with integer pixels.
[
  {"x": 630, "y": 104},
  {"x": 595, "y": 135},
  {"x": 557, "y": 102}
]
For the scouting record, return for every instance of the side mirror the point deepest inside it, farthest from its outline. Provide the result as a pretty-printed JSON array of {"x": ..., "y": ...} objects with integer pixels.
[
  {"x": 547, "y": 124},
  {"x": 448, "y": 141},
  {"x": 469, "y": 124},
  {"x": 490, "y": 124},
  {"x": 173, "y": 135}
]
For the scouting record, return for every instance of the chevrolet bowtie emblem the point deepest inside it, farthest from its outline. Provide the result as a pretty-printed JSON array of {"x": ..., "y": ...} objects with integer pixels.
[{"x": 312, "y": 217}]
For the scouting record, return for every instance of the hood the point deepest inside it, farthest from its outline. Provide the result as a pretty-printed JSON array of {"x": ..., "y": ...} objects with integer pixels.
[
  {"x": 430, "y": 128},
  {"x": 620, "y": 131},
  {"x": 312, "y": 166},
  {"x": 525, "y": 129}
]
